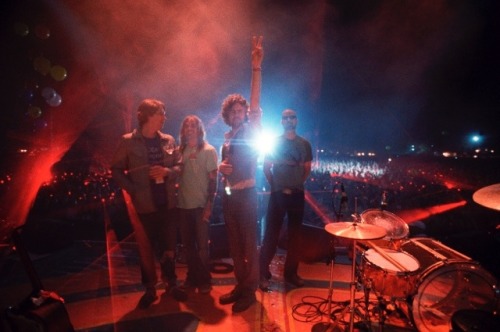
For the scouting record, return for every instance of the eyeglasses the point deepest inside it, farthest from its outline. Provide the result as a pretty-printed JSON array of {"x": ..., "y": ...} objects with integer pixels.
[
  {"x": 288, "y": 117},
  {"x": 162, "y": 113}
]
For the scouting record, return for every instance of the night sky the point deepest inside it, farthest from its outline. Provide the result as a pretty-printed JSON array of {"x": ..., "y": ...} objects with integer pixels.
[{"x": 377, "y": 75}]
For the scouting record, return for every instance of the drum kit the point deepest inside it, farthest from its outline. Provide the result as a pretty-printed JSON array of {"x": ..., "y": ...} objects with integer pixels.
[{"x": 421, "y": 278}]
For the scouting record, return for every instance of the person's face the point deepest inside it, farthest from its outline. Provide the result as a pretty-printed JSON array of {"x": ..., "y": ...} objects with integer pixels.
[
  {"x": 237, "y": 115},
  {"x": 157, "y": 120},
  {"x": 190, "y": 129},
  {"x": 289, "y": 120}
]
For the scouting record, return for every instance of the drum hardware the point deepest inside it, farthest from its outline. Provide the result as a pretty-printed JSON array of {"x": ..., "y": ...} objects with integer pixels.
[
  {"x": 355, "y": 231},
  {"x": 396, "y": 227},
  {"x": 437, "y": 254},
  {"x": 389, "y": 278},
  {"x": 488, "y": 196},
  {"x": 322, "y": 326},
  {"x": 446, "y": 283},
  {"x": 390, "y": 272}
]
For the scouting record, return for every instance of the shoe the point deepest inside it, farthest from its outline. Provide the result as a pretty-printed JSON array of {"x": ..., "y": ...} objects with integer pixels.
[
  {"x": 147, "y": 299},
  {"x": 230, "y": 297},
  {"x": 264, "y": 284},
  {"x": 295, "y": 280},
  {"x": 178, "y": 294},
  {"x": 205, "y": 288},
  {"x": 243, "y": 303}
]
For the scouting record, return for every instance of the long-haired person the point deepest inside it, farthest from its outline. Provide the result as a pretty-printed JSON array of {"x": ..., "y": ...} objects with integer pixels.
[{"x": 197, "y": 190}]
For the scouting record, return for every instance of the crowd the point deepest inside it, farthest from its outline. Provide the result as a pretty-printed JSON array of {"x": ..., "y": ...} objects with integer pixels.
[{"x": 412, "y": 182}]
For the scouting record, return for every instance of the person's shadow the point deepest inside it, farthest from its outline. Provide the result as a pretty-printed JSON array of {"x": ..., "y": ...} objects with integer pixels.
[
  {"x": 204, "y": 306},
  {"x": 164, "y": 315}
]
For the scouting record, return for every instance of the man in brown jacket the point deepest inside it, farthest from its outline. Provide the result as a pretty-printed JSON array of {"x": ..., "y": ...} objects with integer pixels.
[{"x": 146, "y": 165}]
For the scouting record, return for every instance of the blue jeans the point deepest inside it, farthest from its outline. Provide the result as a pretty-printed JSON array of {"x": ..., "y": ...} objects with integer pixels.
[
  {"x": 240, "y": 217},
  {"x": 195, "y": 238}
]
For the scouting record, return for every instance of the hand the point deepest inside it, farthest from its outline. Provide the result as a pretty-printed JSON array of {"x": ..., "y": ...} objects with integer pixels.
[
  {"x": 207, "y": 211},
  {"x": 225, "y": 168},
  {"x": 157, "y": 172},
  {"x": 257, "y": 52}
]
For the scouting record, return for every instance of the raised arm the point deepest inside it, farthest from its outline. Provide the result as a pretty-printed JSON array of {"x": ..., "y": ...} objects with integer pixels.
[{"x": 255, "y": 112}]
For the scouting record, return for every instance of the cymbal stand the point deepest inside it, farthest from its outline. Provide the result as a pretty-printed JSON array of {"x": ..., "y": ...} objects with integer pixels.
[
  {"x": 330, "y": 289},
  {"x": 322, "y": 326},
  {"x": 352, "y": 286},
  {"x": 348, "y": 308},
  {"x": 351, "y": 307}
]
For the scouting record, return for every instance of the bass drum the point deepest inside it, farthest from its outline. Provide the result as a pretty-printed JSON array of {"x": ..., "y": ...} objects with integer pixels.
[{"x": 449, "y": 281}]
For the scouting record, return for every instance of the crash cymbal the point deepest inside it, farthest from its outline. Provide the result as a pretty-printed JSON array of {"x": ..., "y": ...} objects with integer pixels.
[
  {"x": 488, "y": 196},
  {"x": 396, "y": 227},
  {"x": 355, "y": 231}
]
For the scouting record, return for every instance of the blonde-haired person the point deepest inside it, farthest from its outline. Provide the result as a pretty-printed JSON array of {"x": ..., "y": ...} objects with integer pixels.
[{"x": 197, "y": 190}]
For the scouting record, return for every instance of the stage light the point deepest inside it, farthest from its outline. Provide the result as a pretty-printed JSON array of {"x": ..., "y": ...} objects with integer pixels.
[
  {"x": 265, "y": 143},
  {"x": 476, "y": 139}
]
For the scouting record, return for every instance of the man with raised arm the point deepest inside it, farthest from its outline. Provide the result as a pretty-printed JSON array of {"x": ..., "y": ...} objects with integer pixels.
[{"x": 239, "y": 201}]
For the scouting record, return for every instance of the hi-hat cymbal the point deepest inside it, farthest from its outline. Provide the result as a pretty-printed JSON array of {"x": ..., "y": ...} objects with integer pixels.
[
  {"x": 488, "y": 196},
  {"x": 356, "y": 231}
]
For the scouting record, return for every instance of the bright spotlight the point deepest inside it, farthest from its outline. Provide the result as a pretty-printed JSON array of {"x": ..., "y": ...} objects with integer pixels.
[
  {"x": 265, "y": 143},
  {"x": 476, "y": 139}
]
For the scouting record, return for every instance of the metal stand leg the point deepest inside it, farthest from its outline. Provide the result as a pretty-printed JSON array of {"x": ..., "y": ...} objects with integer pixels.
[
  {"x": 353, "y": 286},
  {"x": 330, "y": 326}
]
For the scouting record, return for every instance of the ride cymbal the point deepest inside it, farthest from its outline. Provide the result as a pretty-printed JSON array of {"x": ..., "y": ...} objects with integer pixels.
[{"x": 488, "y": 196}]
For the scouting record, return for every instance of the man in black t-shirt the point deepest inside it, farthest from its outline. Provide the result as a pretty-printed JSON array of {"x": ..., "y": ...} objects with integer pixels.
[{"x": 286, "y": 169}]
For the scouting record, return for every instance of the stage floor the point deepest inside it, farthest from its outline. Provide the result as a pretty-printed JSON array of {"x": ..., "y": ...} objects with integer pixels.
[{"x": 100, "y": 283}]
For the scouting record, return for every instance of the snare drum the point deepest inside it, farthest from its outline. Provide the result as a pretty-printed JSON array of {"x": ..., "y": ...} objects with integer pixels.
[
  {"x": 448, "y": 281},
  {"x": 389, "y": 272}
]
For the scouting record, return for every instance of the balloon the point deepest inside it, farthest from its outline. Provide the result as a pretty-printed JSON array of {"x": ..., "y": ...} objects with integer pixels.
[
  {"x": 21, "y": 29},
  {"x": 58, "y": 73},
  {"x": 42, "y": 65},
  {"x": 48, "y": 93},
  {"x": 55, "y": 101},
  {"x": 42, "y": 32},
  {"x": 34, "y": 111}
]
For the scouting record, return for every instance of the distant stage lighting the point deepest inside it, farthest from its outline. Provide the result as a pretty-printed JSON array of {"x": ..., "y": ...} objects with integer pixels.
[{"x": 476, "y": 139}]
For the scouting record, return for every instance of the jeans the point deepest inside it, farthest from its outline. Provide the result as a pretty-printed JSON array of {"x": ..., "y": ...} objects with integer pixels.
[
  {"x": 195, "y": 238},
  {"x": 280, "y": 204},
  {"x": 240, "y": 217},
  {"x": 155, "y": 236}
]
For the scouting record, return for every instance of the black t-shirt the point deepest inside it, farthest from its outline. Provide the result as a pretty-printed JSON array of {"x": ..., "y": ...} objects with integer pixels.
[{"x": 155, "y": 157}]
